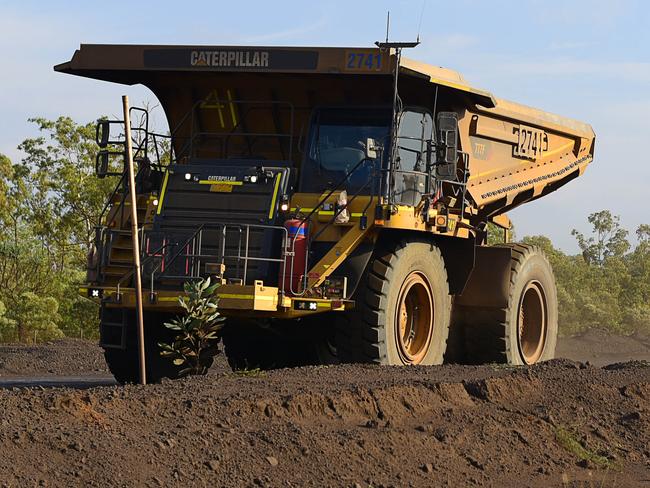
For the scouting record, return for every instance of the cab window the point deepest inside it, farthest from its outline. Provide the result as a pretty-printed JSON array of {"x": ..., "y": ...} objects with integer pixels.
[
  {"x": 336, "y": 145},
  {"x": 415, "y": 130}
]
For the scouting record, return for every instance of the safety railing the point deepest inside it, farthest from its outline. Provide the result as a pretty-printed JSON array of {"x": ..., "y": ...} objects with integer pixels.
[{"x": 180, "y": 254}]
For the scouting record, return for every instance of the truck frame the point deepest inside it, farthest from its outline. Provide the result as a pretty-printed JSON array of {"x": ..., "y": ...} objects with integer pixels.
[{"x": 341, "y": 196}]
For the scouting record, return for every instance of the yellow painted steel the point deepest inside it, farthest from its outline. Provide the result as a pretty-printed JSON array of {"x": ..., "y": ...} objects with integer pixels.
[
  {"x": 169, "y": 299},
  {"x": 336, "y": 255},
  {"x": 162, "y": 193},
  {"x": 251, "y": 301},
  {"x": 219, "y": 182},
  {"x": 275, "y": 195},
  {"x": 235, "y": 296},
  {"x": 504, "y": 170}
]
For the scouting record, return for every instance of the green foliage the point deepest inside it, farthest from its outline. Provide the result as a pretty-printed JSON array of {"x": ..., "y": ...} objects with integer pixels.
[
  {"x": 40, "y": 314},
  {"x": 569, "y": 442},
  {"x": 50, "y": 202},
  {"x": 608, "y": 239},
  {"x": 250, "y": 373},
  {"x": 197, "y": 330},
  {"x": 607, "y": 286},
  {"x": 7, "y": 325},
  {"x": 498, "y": 235}
]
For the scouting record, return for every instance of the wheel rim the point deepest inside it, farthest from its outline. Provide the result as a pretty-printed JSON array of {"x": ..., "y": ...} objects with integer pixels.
[
  {"x": 532, "y": 323},
  {"x": 414, "y": 319}
]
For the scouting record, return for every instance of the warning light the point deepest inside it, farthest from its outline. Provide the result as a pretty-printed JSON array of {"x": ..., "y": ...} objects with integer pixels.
[
  {"x": 305, "y": 305},
  {"x": 95, "y": 293}
]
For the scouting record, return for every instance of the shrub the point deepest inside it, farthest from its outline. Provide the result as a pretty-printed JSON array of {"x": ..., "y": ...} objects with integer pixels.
[{"x": 197, "y": 338}]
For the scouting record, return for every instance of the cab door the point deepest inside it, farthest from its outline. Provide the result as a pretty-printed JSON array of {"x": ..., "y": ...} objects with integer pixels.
[{"x": 410, "y": 178}]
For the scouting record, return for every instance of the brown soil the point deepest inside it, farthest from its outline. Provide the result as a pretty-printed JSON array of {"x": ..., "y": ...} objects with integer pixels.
[
  {"x": 75, "y": 357},
  {"x": 61, "y": 357},
  {"x": 557, "y": 424},
  {"x": 601, "y": 348}
]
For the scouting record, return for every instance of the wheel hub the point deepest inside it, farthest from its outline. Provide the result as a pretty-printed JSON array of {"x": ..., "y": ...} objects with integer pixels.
[
  {"x": 532, "y": 323},
  {"x": 414, "y": 319}
]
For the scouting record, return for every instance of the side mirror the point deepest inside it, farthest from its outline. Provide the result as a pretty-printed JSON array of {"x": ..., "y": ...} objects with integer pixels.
[
  {"x": 102, "y": 133},
  {"x": 101, "y": 164},
  {"x": 105, "y": 164},
  {"x": 447, "y": 124},
  {"x": 372, "y": 148}
]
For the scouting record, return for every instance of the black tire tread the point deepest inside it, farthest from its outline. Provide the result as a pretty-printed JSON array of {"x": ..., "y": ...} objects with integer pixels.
[
  {"x": 124, "y": 364},
  {"x": 360, "y": 331},
  {"x": 485, "y": 328}
]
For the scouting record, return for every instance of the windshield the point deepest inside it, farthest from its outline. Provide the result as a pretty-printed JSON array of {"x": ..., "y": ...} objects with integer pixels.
[{"x": 337, "y": 143}]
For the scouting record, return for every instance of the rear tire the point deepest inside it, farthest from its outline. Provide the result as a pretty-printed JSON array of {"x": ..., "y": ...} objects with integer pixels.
[
  {"x": 525, "y": 332},
  {"x": 402, "y": 309}
]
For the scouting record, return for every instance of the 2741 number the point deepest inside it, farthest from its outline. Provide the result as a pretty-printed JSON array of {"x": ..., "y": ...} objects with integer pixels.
[
  {"x": 363, "y": 61},
  {"x": 531, "y": 142}
]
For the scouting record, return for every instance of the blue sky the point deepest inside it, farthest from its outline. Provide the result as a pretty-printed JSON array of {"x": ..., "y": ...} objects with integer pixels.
[{"x": 584, "y": 59}]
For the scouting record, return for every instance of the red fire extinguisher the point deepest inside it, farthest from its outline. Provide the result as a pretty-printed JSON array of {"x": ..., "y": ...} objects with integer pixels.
[{"x": 296, "y": 259}]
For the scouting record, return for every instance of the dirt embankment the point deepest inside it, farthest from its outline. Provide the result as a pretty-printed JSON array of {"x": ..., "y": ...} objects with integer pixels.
[
  {"x": 601, "y": 348},
  {"x": 555, "y": 424},
  {"x": 560, "y": 423}
]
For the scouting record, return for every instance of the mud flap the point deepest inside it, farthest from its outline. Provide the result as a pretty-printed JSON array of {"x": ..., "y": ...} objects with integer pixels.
[
  {"x": 459, "y": 257},
  {"x": 489, "y": 282}
]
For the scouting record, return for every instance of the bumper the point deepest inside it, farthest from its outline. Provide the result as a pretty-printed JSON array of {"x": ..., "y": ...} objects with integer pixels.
[{"x": 234, "y": 300}]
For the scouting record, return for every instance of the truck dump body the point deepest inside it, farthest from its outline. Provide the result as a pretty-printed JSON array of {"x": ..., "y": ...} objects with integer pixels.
[{"x": 516, "y": 153}]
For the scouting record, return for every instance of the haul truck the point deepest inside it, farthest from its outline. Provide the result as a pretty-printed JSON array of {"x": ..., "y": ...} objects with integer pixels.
[{"x": 341, "y": 196}]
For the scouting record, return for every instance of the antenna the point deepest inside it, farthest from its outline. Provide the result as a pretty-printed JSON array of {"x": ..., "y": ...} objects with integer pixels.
[
  {"x": 395, "y": 45},
  {"x": 387, "y": 24},
  {"x": 386, "y": 47},
  {"x": 424, "y": 4}
]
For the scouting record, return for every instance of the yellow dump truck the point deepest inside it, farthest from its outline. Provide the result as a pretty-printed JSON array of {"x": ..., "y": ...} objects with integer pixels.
[{"x": 341, "y": 196}]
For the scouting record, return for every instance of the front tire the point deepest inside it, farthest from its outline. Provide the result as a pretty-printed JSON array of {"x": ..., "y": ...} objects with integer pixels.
[
  {"x": 124, "y": 364},
  {"x": 403, "y": 308}
]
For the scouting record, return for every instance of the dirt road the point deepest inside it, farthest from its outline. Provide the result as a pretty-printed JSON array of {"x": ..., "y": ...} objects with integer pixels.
[{"x": 557, "y": 424}]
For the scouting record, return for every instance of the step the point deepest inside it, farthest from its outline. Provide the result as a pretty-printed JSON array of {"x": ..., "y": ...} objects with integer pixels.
[{"x": 117, "y": 269}]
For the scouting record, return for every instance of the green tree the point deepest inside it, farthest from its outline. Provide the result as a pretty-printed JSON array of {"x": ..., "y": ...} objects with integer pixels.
[
  {"x": 51, "y": 202},
  {"x": 66, "y": 198},
  {"x": 38, "y": 315},
  {"x": 7, "y": 325},
  {"x": 607, "y": 286},
  {"x": 608, "y": 239}
]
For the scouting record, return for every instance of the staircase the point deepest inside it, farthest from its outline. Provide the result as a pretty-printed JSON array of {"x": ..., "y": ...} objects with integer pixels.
[{"x": 118, "y": 244}]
